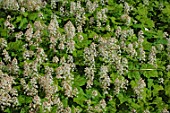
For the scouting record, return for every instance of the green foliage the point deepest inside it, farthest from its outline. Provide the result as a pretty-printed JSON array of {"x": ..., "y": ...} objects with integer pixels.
[
  {"x": 15, "y": 46},
  {"x": 80, "y": 99},
  {"x": 79, "y": 81},
  {"x": 129, "y": 84}
]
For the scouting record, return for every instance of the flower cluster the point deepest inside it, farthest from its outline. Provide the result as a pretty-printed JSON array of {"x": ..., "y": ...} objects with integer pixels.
[
  {"x": 8, "y": 94},
  {"x": 120, "y": 83},
  {"x": 30, "y": 5},
  {"x": 152, "y": 56},
  {"x": 104, "y": 78},
  {"x": 140, "y": 87}
]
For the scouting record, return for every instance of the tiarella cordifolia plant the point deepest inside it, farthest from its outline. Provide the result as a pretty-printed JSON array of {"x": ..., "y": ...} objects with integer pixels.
[
  {"x": 21, "y": 5},
  {"x": 84, "y": 56}
]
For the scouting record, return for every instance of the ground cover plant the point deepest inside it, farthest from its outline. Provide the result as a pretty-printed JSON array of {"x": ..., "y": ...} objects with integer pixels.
[{"x": 84, "y": 56}]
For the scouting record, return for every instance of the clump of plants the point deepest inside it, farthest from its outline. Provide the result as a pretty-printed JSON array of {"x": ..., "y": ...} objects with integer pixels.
[{"x": 85, "y": 56}]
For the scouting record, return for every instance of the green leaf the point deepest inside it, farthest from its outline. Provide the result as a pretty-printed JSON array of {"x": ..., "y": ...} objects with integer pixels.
[
  {"x": 4, "y": 32},
  {"x": 135, "y": 105},
  {"x": 80, "y": 98},
  {"x": 134, "y": 74},
  {"x": 156, "y": 89},
  {"x": 133, "y": 83},
  {"x": 23, "y": 23},
  {"x": 113, "y": 20},
  {"x": 7, "y": 110},
  {"x": 19, "y": 19},
  {"x": 74, "y": 53},
  {"x": 161, "y": 41},
  {"x": 33, "y": 16},
  {"x": 110, "y": 2},
  {"x": 40, "y": 110},
  {"x": 149, "y": 23},
  {"x": 89, "y": 93},
  {"x": 13, "y": 54},
  {"x": 147, "y": 46},
  {"x": 150, "y": 73},
  {"x": 150, "y": 83},
  {"x": 168, "y": 74},
  {"x": 65, "y": 102},
  {"x": 167, "y": 86},
  {"x": 157, "y": 100},
  {"x": 54, "y": 109},
  {"x": 28, "y": 99},
  {"x": 15, "y": 45},
  {"x": 79, "y": 81},
  {"x": 33, "y": 48},
  {"x": 21, "y": 99},
  {"x": 23, "y": 110},
  {"x": 138, "y": 26},
  {"x": 121, "y": 98},
  {"x": 25, "y": 14},
  {"x": 2, "y": 21},
  {"x": 153, "y": 73},
  {"x": 159, "y": 34},
  {"x": 148, "y": 93},
  {"x": 113, "y": 77}
]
